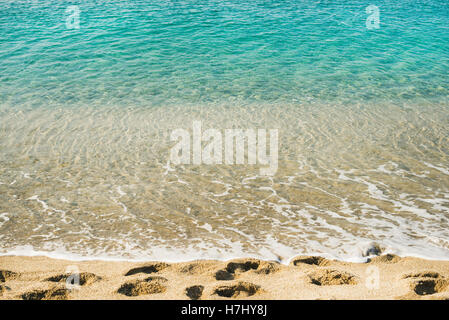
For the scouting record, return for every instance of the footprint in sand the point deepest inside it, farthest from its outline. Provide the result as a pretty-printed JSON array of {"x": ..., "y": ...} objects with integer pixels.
[
  {"x": 194, "y": 292},
  {"x": 268, "y": 268},
  {"x": 149, "y": 285},
  {"x": 310, "y": 260},
  {"x": 429, "y": 286},
  {"x": 427, "y": 282},
  {"x": 242, "y": 266},
  {"x": 6, "y": 275},
  {"x": 85, "y": 278},
  {"x": 329, "y": 277},
  {"x": 240, "y": 289},
  {"x": 234, "y": 268},
  {"x": 151, "y": 268},
  {"x": 50, "y": 294},
  {"x": 224, "y": 275}
]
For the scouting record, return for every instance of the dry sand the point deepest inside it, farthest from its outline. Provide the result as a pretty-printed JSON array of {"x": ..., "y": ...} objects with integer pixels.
[{"x": 384, "y": 277}]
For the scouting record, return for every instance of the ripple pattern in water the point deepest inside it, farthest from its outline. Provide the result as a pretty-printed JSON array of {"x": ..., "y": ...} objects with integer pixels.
[{"x": 86, "y": 114}]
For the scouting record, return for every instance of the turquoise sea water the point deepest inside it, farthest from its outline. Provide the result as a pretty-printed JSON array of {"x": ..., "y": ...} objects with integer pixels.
[
  {"x": 86, "y": 114},
  {"x": 158, "y": 52}
]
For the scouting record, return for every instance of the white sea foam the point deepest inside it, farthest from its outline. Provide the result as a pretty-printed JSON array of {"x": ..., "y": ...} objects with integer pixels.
[{"x": 441, "y": 169}]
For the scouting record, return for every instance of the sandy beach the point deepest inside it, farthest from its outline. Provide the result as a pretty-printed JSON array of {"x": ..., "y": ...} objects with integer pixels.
[
  {"x": 383, "y": 277},
  {"x": 192, "y": 150}
]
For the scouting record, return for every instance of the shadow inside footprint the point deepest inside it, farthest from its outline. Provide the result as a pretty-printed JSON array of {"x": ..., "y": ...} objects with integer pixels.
[
  {"x": 152, "y": 268},
  {"x": 424, "y": 274},
  {"x": 224, "y": 275},
  {"x": 85, "y": 278},
  {"x": 311, "y": 260},
  {"x": 150, "y": 285},
  {"x": 240, "y": 289},
  {"x": 6, "y": 275},
  {"x": 236, "y": 267},
  {"x": 243, "y": 266},
  {"x": 194, "y": 292},
  {"x": 331, "y": 277},
  {"x": 429, "y": 286},
  {"x": 50, "y": 294}
]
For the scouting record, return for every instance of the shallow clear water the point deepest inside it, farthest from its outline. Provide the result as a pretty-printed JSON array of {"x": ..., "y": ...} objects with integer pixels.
[{"x": 86, "y": 116}]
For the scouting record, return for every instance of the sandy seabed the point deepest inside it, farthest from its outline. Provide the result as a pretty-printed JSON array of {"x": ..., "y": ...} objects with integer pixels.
[{"x": 306, "y": 277}]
